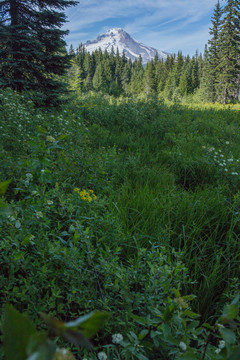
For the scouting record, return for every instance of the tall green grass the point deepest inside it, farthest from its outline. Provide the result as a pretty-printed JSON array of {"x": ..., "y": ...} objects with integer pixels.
[{"x": 166, "y": 177}]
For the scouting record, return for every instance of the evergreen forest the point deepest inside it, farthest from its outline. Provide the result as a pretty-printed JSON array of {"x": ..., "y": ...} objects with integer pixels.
[{"x": 119, "y": 195}]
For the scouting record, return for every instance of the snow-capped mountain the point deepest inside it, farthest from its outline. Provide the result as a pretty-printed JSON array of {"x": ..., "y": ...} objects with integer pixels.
[{"x": 118, "y": 38}]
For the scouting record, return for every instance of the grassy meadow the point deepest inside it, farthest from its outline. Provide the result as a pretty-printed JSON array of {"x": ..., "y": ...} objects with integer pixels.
[{"x": 130, "y": 206}]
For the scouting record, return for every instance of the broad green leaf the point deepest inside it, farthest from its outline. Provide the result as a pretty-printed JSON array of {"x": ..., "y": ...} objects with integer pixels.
[
  {"x": 141, "y": 357},
  {"x": 17, "y": 332},
  {"x": 143, "y": 333},
  {"x": 56, "y": 325},
  {"x": 140, "y": 320},
  {"x": 189, "y": 297},
  {"x": 177, "y": 293},
  {"x": 236, "y": 300},
  {"x": 45, "y": 351},
  {"x": 190, "y": 314},
  {"x": 230, "y": 311},
  {"x": 63, "y": 136},
  {"x": 77, "y": 338},
  {"x": 3, "y": 186},
  {"x": 36, "y": 340},
  {"x": 206, "y": 325},
  {"x": 228, "y": 335},
  {"x": 89, "y": 324},
  {"x": 188, "y": 355},
  {"x": 235, "y": 354}
]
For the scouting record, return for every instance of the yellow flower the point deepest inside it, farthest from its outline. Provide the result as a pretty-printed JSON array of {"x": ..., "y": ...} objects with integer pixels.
[{"x": 86, "y": 195}]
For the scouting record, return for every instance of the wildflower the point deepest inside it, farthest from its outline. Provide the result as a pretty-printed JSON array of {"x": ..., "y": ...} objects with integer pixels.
[
  {"x": 39, "y": 215},
  {"x": 49, "y": 202},
  {"x": 102, "y": 356},
  {"x": 230, "y": 160},
  {"x": 29, "y": 176},
  {"x": 76, "y": 190},
  {"x": 50, "y": 139},
  {"x": 181, "y": 303},
  {"x": 43, "y": 171},
  {"x": 226, "y": 170},
  {"x": 183, "y": 346},
  {"x": 34, "y": 192},
  {"x": 12, "y": 218},
  {"x": 221, "y": 344},
  {"x": 17, "y": 224},
  {"x": 32, "y": 237},
  {"x": 117, "y": 338},
  {"x": 217, "y": 351},
  {"x": 227, "y": 143},
  {"x": 221, "y": 155}
]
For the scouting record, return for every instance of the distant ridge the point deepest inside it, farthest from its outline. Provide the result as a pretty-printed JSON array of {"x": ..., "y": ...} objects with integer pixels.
[{"x": 121, "y": 40}]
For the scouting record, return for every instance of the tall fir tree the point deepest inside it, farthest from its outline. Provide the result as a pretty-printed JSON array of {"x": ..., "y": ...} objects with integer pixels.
[
  {"x": 32, "y": 52},
  {"x": 229, "y": 53},
  {"x": 213, "y": 54}
]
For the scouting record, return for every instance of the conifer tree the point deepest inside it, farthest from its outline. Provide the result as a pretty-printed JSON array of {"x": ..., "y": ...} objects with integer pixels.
[
  {"x": 212, "y": 61},
  {"x": 229, "y": 52},
  {"x": 32, "y": 52}
]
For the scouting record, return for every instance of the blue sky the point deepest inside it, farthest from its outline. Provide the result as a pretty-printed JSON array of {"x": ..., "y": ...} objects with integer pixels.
[{"x": 168, "y": 25}]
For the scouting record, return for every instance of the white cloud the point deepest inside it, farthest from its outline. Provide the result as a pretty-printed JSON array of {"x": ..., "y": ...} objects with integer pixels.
[{"x": 165, "y": 20}]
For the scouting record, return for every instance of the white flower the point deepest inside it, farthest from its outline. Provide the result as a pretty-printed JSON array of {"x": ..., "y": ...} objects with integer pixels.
[
  {"x": 221, "y": 155},
  {"x": 43, "y": 171},
  {"x": 117, "y": 338},
  {"x": 227, "y": 143},
  {"x": 50, "y": 139},
  {"x": 226, "y": 169},
  {"x": 34, "y": 192},
  {"x": 183, "y": 346},
  {"x": 102, "y": 356},
  {"x": 39, "y": 215},
  {"x": 32, "y": 237},
  {"x": 234, "y": 173},
  {"x": 217, "y": 351},
  {"x": 29, "y": 176},
  {"x": 17, "y": 224},
  {"x": 220, "y": 326},
  {"x": 230, "y": 160},
  {"x": 221, "y": 344},
  {"x": 49, "y": 202},
  {"x": 12, "y": 218}
]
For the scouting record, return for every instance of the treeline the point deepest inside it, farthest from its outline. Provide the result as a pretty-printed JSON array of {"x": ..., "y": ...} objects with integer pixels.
[
  {"x": 114, "y": 74},
  {"x": 214, "y": 76},
  {"x": 33, "y": 57}
]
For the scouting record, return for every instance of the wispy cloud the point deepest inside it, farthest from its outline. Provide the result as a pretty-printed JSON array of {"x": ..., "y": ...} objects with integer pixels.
[{"x": 159, "y": 21}]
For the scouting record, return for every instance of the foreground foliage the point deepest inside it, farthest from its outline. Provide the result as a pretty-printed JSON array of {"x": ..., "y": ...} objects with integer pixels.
[{"x": 127, "y": 207}]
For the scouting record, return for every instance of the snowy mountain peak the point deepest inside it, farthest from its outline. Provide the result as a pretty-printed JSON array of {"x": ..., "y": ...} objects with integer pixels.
[{"x": 118, "y": 38}]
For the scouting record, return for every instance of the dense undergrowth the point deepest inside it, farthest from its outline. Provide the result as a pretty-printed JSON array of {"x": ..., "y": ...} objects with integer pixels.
[{"x": 128, "y": 207}]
